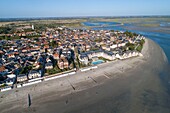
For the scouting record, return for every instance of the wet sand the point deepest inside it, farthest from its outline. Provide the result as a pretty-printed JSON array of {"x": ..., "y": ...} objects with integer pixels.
[{"x": 129, "y": 86}]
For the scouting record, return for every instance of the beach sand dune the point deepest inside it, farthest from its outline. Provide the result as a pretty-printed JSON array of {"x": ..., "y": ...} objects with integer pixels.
[{"x": 129, "y": 86}]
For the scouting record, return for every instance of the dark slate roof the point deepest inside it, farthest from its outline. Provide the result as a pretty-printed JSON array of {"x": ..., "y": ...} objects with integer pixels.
[
  {"x": 33, "y": 72},
  {"x": 48, "y": 64},
  {"x": 109, "y": 53},
  {"x": 22, "y": 75},
  {"x": 83, "y": 56}
]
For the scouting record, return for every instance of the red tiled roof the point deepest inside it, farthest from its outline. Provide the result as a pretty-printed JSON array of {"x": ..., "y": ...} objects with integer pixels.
[
  {"x": 1, "y": 52},
  {"x": 2, "y": 68},
  {"x": 46, "y": 46},
  {"x": 56, "y": 55}
]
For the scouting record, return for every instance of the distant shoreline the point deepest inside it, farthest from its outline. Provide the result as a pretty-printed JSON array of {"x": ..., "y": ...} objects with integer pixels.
[{"x": 79, "y": 17}]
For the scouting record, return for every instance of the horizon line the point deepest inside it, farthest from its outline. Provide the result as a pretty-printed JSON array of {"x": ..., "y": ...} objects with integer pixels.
[{"x": 39, "y": 17}]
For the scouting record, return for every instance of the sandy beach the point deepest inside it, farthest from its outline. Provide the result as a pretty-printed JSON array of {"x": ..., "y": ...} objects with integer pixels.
[{"x": 128, "y": 86}]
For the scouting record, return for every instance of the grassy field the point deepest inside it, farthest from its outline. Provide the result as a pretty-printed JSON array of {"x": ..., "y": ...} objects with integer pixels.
[
  {"x": 8, "y": 23},
  {"x": 132, "y": 20},
  {"x": 144, "y": 22},
  {"x": 64, "y": 22}
]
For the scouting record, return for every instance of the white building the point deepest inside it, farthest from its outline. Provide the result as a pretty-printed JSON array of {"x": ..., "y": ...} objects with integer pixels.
[
  {"x": 100, "y": 53},
  {"x": 84, "y": 59},
  {"x": 48, "y": 66},
  {"x": 32, "y": 27},
  {"x": 113, "y": 46},
  {"x": 33, "y": 74},
  {"x": 22, "y": 78}
]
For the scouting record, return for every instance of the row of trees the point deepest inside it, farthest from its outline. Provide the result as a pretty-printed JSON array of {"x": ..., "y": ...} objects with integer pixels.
[
  {"x": 9, "y": 38},
  {"x": 5, "y": 30},
  {"x": 17, "y": 37}
]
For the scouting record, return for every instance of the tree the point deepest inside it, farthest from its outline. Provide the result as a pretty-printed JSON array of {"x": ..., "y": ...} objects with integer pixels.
[
  {"x": 130, "y": 34},
  {"x": 142, "y": 42},
  {"x": 112, "y": 30},
  {"x": 99, "y": 39},
  {"x": 139, "y": 48},
  {"x": 36, "y": 39},
  {"x": 130, "y": 46},
  {"x": 135, "y": 34},
  {"x": 22, "y": 71}
]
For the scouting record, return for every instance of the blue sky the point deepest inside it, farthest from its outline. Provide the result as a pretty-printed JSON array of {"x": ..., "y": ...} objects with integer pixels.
[{"x": 71, "y": 8}]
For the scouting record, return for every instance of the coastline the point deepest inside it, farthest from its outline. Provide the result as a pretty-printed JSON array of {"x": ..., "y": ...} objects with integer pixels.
[{"x": 92, "y": 87}]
